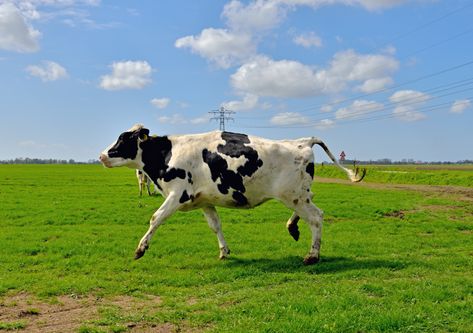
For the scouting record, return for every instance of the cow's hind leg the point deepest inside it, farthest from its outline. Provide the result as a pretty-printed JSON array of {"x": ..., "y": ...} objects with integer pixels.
[
  {"x": 313, "y": 216},
  {"x": 169, "y": 206},
  {"x": 292, "y": 226},
  {"x": 214, "y": 223}
]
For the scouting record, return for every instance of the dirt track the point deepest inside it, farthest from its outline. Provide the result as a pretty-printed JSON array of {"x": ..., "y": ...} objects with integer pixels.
[
  {"x": 70, "y": 312},
  {"x": 459, "y": 192}
]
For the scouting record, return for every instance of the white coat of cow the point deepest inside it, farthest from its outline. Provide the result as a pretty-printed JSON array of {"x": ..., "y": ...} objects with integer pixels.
[{"x": 202, "y": 171}]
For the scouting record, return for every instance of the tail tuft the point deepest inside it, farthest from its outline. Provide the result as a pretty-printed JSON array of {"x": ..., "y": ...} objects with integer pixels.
[{"x": 354, "y": 175}]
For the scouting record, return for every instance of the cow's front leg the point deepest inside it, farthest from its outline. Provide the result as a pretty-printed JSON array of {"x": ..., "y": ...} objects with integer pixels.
[
  {"x": 148, "y": 185},
  {"x": 169, "y": 206},
  {"x": 214, "y": 223}
]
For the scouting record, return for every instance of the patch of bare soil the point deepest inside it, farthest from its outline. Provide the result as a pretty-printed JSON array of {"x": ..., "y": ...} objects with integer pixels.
[
  {"x": 396, "y": 214},
  {"x": 69, "y": 313},
  {"x": 459, "y": 192}
]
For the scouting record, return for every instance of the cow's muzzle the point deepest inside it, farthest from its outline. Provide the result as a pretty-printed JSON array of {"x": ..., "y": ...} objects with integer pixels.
[{"x": 105, "y": 161}]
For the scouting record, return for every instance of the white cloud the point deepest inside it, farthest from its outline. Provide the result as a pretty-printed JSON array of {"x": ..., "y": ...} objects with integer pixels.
[
  {"x": 289, "y": 118},
  {"x": 175, "y": 119},
  {"x": 264, "y": 15},
  {"x": 178, "y": 119},
  {"x": 325, "y": 124},
  {"x": 460, "y": 106},
  {"x": 377, "y": 4},
  {"x": 362, "y": 67},
  {"x": 258, "y": 15},
  {"x": 263, "y": 76},
  {"x": 326, "y": 108},
  {"x": 248, "y": 102},
  {"x": 15, "y": 32},
  {"x": 409, "y": 97},
  {"x": 48, "y": 71},
  {"x": 160, "y": 103},
  {"x": 357, "y": 109},
  {"x": 308, "y": 40},
  {"x": 220, "y": 46},
  {"x": 373, "y": 85},
  {"x": 70, "y": 12},
  {"x": 367, "y": 4},
  {"x": 127, "y": 75},
  {"x": 408, "y": 113},
  {"x": 407, "y": 101}
]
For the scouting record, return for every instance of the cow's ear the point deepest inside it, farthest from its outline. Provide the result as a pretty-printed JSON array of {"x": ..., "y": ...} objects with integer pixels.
[{"x": 143, "y": 134}]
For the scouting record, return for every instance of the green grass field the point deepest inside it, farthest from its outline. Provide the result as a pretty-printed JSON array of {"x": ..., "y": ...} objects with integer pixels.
[{"x": 393, "y": 260}]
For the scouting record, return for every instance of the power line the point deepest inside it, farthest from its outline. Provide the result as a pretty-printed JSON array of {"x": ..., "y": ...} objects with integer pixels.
[
  {"x": 222, "y": 115},
  {"x": 458, "y": 35},
  {"x": 447, "y": 89},
  {"x": 377, "y": 114},
  {"x": 421, "y": 78},
  {"x": 422, "y": 26}
]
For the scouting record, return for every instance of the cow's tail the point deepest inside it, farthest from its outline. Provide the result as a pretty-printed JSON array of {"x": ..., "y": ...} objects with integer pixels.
[{"x": 354, "y": 175}]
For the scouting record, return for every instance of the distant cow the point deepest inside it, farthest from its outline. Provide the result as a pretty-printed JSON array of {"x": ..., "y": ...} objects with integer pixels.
[
  {"x": 224, "y": 169},
  {"x": 143, "y": 180}
]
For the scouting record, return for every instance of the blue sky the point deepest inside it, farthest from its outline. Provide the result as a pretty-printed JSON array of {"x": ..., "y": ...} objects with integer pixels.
[{"x": 375, "y": 78}]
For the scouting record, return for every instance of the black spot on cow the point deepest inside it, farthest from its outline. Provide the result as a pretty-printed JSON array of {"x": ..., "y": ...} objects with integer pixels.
[
  {"x": 294, "y": 228},
  {"x": 310, "y": 170},
  {"x": 219, "y": 169},
  {"x": 239, "y": 198},
  {"x": 189, "y": 178},
  {"x": 234, "y": 147},
  {"x": 184, "y": 197},
  {"x": 157, "y": 152},
  {"x": 174, "y": 173}
]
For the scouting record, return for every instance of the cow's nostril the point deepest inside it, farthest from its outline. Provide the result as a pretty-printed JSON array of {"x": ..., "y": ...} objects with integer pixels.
[{"x": 102, "y": 157}]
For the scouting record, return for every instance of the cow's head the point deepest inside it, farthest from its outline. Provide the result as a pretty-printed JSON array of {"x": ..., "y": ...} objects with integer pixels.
[{"x": 125, "y": 151}]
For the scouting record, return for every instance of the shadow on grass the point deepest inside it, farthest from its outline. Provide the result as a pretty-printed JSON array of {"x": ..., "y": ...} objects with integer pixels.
[{"x": 326, "y": 265}]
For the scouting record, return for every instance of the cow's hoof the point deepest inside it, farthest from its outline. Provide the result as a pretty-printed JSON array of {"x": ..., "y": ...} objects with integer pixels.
[
  {"x": 139, "y": 253},
  {"x": 224, "y": 253},
  {"x": 311, "y": 260},
  {"x": 294, "y": 231}
]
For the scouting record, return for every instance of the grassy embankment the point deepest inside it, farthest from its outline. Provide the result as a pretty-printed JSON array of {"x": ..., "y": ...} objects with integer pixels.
[{"x": 456, "y": 175}]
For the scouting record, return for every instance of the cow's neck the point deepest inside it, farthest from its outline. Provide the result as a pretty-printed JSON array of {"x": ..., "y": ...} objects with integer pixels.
[{"x": 156, "y": 154}]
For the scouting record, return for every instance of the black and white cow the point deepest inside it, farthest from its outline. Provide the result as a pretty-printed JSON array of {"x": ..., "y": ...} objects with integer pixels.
[
  {"x": 224, "y": 169},
  {"x": 143, "y": 180}
]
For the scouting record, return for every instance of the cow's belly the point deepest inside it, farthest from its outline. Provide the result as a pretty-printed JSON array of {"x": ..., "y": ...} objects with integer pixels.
[{"x": 215, "y": 198}]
